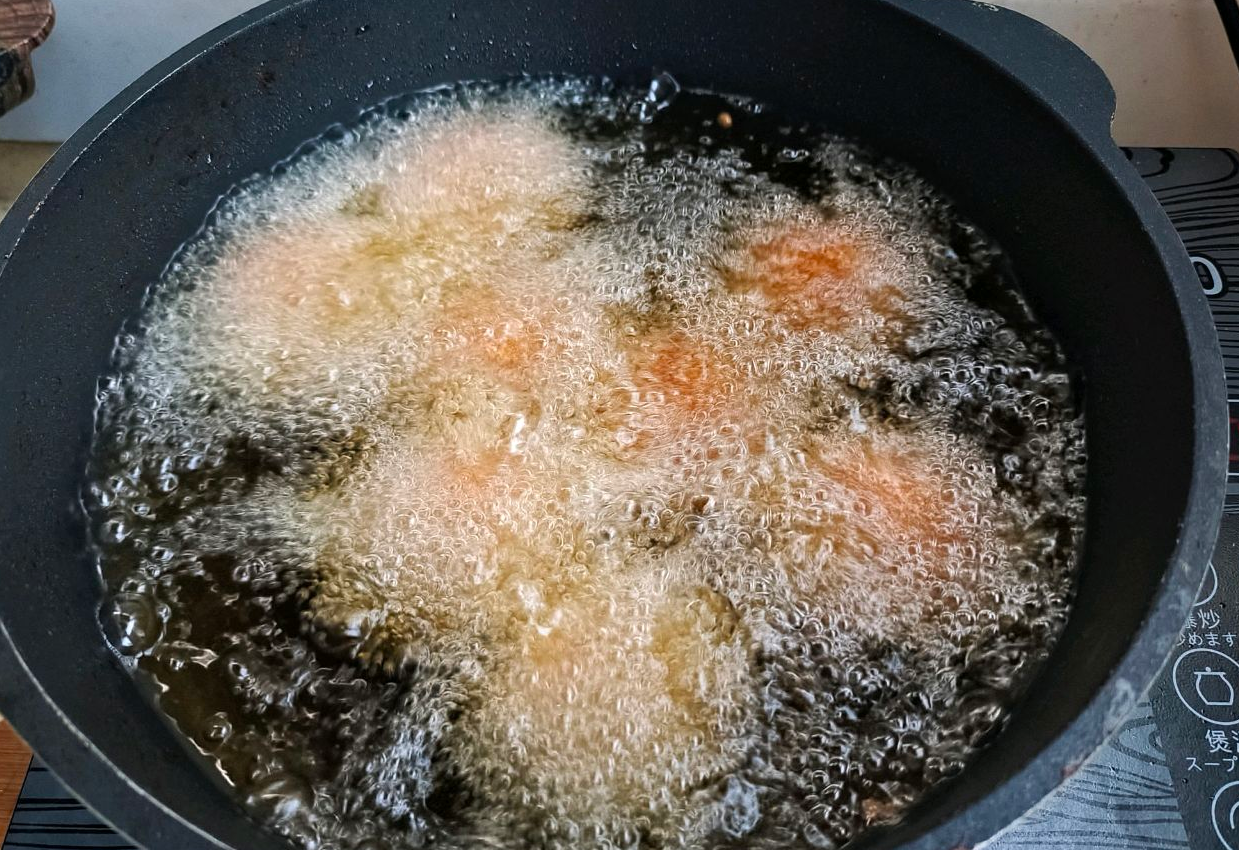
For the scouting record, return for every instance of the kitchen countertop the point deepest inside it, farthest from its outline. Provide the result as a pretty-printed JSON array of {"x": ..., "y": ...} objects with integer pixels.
[
  {"x": 14, "y": 759},
  {"x": 19, "y": 161}
]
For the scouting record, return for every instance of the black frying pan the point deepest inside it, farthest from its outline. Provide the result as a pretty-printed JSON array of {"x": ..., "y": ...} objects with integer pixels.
[{"x": 1005, "y": 116}]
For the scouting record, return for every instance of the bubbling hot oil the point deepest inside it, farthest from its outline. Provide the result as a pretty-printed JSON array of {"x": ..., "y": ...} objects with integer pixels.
[{"x": 552, "y": 465}]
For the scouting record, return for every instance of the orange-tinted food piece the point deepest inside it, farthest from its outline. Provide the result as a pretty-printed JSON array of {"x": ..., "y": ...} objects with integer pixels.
[
  {"x": 683, "y": 385},
  {"x": 813, "y": 276},
  {"x": 487, "y": 176},
  {"x": 906, "y": 496},
  {"x": 314, "y": 279},
  {"x": 790, "y": 263},
  {"x": 692, "y": 376},
  {"x": 678, "y": 382},
  {"x": 473, "y": 474},
  {"x": 497, "y": 336},
  {"x": 581, "y": 697}
]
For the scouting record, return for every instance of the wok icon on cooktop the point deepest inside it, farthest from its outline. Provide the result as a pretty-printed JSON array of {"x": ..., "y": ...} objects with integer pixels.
[
  {"x": 1225, "y": 812},
  {"x": 1208, "y": 589}
]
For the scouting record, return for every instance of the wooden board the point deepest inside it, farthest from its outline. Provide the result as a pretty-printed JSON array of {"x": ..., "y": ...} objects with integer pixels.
[
  {"x": 24, "y": 25},
  {"x": 14, "y": 760}
]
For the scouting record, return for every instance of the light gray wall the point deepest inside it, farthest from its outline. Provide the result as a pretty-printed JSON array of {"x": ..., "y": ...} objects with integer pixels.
[{"x": 97, "y": 48}]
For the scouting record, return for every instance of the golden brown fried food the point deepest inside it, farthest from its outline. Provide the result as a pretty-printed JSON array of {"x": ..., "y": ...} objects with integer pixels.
[
  {"x": 816, "y": 274},
  {"x": 463, "y": 207},
  {"x": 609, "y": 712}
]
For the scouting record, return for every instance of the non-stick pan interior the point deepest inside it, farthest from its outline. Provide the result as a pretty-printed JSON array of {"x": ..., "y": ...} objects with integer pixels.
[{"x": 117, "y": 206}]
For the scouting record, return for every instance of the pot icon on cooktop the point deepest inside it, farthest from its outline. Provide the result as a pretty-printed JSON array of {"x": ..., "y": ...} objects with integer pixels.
[
  {"x": 1207, "y": 683},
  {"x": 1214, "y": 688}
]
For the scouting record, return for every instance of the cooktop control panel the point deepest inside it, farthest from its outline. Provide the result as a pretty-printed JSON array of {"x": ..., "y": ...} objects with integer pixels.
[
  {"x": 1169, "y": 777},
  {"x": 1195, "y": 704}
]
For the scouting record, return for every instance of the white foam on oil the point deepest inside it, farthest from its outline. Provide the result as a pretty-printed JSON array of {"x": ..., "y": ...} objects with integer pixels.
[{"x": 631, "y": 493}]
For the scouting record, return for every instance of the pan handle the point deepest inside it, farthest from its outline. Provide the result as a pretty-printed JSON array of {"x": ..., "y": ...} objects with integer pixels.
[{"x": 1051, "y": 66}]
